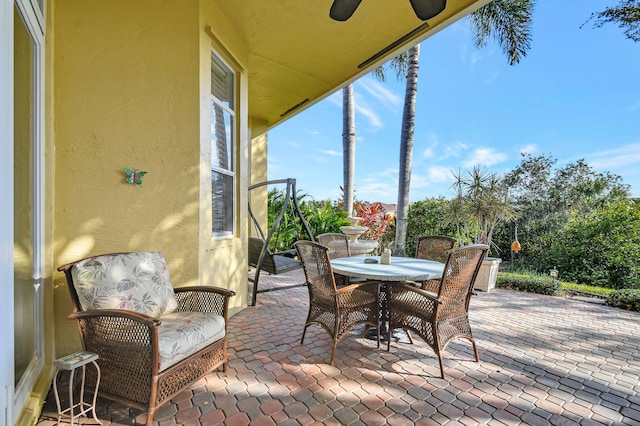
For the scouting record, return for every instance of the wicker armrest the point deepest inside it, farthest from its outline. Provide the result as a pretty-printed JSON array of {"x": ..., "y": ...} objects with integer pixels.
[
  {"x": 127, "y": 341},
  {"x": 414, "y": 289},
  {"x": 132, "y": 316},
  {"x": 117, "y": 325},
  {"x": 362, "y": 286},
  {"x": 204, "y": 299}
]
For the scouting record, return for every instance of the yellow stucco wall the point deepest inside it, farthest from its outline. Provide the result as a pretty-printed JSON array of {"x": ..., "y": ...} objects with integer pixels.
[
  {"x": 128, "y": 92},
  {"x": 258, "y": 173}
]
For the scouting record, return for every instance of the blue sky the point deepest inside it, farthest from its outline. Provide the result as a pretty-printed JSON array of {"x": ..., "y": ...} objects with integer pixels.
[{"x": 576, "y": 95}]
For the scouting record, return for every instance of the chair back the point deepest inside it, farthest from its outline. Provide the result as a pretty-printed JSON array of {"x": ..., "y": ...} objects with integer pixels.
[
  {"x": 338, "y": 244},
  {"x": 71, "y": 285},
  {"x": 434, "y": 247},
  {"x": 460, "y": 271},
  {"x": 317, "y": 270}
]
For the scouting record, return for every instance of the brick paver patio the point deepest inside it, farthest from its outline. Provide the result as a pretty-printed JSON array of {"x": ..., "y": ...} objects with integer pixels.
[{"x": 543, "y": 360}]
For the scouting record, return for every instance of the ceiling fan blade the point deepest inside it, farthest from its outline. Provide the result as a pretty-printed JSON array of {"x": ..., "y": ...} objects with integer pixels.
[
  {"x": 427, "y": 9},
  {"x": 341, "y": 10}
]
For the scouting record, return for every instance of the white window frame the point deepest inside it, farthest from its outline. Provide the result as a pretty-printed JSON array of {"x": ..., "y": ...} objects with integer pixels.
[
  {"x": 231, "y": 170},
  {"x": 32, "y": 12},
  {"x": 6, "y": 209}
]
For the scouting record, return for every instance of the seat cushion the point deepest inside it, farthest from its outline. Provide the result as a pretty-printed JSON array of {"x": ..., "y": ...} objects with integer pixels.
[
  {"x": 134, "y": 281},
  {"x": 184, "y": 333}
]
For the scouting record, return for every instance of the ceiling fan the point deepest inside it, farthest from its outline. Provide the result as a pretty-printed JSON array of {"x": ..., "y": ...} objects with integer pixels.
[{"x": 341, "y": 10}]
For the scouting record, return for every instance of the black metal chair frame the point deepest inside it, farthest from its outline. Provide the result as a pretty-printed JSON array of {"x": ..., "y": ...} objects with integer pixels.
[{"x": 259, "y": 256}]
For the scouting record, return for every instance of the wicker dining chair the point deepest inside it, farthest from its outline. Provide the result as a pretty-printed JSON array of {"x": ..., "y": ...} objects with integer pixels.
[
  {"x": 337, "y": 311},
  {"x": 433, "y": 247},
  {"x": 439, "y": 319},
  {"x": 338, "y": 246}
]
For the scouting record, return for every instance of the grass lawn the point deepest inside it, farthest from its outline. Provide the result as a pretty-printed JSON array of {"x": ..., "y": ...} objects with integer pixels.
[{"x": 601, "y": 291}]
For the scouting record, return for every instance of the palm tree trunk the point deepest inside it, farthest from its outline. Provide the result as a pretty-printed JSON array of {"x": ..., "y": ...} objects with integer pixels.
[
  {"x": 348, "y": 146},
  {"x": 406, "y": 150}
]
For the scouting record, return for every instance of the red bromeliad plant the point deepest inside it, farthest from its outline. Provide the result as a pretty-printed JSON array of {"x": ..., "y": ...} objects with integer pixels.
[{"x": 379, "y": 222}]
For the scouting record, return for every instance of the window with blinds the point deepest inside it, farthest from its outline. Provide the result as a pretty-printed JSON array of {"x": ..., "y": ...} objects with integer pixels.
[{"x": 223, "y": 179}]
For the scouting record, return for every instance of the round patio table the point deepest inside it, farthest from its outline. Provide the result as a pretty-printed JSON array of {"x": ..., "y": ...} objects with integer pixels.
[{"x": 400, "y": 268}]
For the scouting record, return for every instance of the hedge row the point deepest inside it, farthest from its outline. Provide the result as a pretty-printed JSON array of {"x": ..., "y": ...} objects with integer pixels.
[
  {"x": 628, "y": 299},
  {"x": 530, "y": 283}
]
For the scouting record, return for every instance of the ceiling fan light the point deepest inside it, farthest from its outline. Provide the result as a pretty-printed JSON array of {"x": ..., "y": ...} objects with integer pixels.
[
  {"x": 341, "y": 10},
  {"x": 427, "y": 9}
]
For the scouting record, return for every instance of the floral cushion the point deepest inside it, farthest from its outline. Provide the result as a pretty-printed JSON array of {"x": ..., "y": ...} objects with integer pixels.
[
  {"x": 184, "y": 333},
  {"x": 133, "y": 281}
]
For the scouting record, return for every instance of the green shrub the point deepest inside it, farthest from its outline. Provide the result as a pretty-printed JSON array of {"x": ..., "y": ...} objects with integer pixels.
[
  {"x": 600, "y": 249},
  {"x": 428, "y": 217},
  {"x": 321, "y": 216},
  {"x": 628, "y": 299},
  {"x": 531, "y": 283}
]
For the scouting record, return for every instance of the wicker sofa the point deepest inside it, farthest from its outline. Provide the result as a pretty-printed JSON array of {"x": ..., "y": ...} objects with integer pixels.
[{"x": 153, "y": 340}]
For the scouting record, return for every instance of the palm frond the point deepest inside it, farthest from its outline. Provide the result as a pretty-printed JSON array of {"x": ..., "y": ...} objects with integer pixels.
[
  {"x": 508, "y": 22},
  {"x": 626, "y": 14}
]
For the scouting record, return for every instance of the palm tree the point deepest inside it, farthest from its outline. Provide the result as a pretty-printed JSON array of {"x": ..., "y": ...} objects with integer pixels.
[
  {"x": 349, "y": 138},
  {"x": 480, "y": 205},
  {"x": 348, "y": 146},
  {"x": 506, "y": 21},
  {"x": 406, "y": 149}
]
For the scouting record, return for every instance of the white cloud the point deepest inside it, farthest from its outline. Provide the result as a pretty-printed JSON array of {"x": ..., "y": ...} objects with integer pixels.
[
  {"x": 435, "y": 175},
  {"x": 381, "y": 93},
  {"x": 388, "y": 172},
  {"x": 432, "y": 143},
  {"x": 419, "y": 181},
  {"x": 461, "y": 32},
  {"x": 331, "y": 152},
  {"x": 616, "y": 158},
  {"x": 529, "y": 149},
  {"x": 453, "y": 150},
  {"x": 474, "y": 57},
  {"x": 439, "y": 174},
  {"x": 428, "y": 152},
  {"x": 485, "y": 157},
  {"x": 636, "y": 107},
  {"x": 433, "y": 138},
  {"x": 336, "y": 98},
  {"x": 361, "y": 107},
  {"x": 376, "y": 190},
  {"x": 491, "y": 78},
  {"x": 369, "y": 114}
]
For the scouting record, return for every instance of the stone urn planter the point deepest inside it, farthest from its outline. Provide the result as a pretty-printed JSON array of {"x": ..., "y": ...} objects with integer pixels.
[{"x": 487, "y": 275}]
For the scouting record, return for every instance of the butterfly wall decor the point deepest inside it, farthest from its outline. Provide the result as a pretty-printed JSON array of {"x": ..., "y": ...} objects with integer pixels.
[{"x": 134, "y": 176}]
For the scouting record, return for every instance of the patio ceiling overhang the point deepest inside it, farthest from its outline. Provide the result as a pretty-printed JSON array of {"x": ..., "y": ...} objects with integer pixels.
[{"x": 298, "y": 55}]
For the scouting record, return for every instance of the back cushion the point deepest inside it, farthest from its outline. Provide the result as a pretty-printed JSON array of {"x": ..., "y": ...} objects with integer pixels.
[{"x": 134, "y": 281}]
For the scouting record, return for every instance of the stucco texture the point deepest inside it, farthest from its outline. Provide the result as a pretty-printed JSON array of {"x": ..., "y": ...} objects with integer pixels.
[{"x": 127, "y": 93}]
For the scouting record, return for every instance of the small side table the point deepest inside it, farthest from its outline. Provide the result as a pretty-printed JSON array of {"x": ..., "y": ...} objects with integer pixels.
[{"x": 71, "y": 363}]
